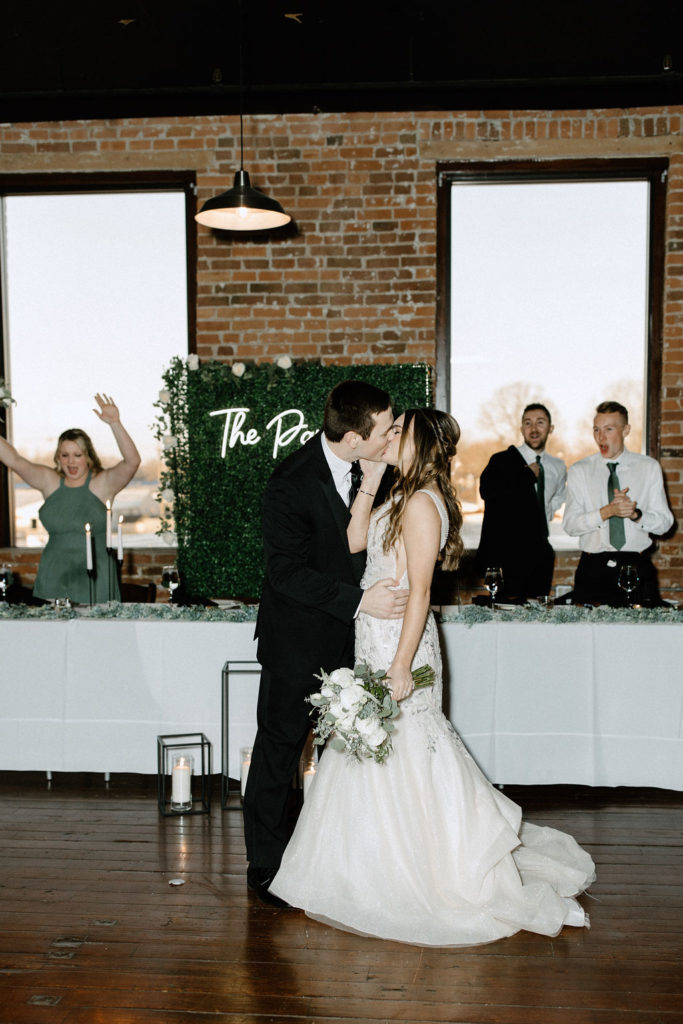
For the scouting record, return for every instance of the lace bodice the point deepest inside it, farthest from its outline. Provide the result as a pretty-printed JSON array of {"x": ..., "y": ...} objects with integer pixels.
[
  {"x": 381, "y": 566},
  {"x": 377, "y": 639}
]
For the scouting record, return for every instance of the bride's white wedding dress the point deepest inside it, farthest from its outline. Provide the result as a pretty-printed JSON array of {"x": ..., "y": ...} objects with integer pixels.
[{"x": 422, "y": 848}]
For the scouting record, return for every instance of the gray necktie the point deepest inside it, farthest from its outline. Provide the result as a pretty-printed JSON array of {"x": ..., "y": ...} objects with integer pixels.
[{"x": 617, "y": 530}]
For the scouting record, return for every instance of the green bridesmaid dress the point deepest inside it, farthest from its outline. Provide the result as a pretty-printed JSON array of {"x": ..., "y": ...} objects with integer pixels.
[{"x": 62, "y": 570}]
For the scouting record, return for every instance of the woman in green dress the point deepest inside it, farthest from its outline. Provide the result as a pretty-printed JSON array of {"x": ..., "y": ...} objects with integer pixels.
[{"x": 75, "y": 493}]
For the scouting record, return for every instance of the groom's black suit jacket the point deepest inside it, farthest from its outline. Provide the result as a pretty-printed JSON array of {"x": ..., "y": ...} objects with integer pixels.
[{"x": 311, "y": 589}]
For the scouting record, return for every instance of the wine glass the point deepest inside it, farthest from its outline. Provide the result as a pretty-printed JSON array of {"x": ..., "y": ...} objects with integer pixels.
[
  {"x": 628, "y": 581},
  {"x": 5, "y": 580},
  {"x": 170, "y": 579},
  {"x": 493, "y": 579}
]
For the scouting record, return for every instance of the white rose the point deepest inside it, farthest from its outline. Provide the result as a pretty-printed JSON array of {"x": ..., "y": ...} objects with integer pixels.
[
  {"x": 371, "y": 731},
  {"x": 344, "y": 717},
  {"x": 342, "y": 676},
  {"x": 168, "y": 494},
  {"x": 193, "y": 361},
  {"x": 238, "y": 369},
  {"x": 169, "y": 441},
  {"x": 164, "y": 396},
  {"x": 352, "y": 696},
  {"x": 169, "y": 538},
  {"x": 284, "y": 362}
]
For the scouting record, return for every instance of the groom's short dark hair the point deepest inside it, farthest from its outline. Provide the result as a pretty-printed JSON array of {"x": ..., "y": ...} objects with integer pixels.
[{"x": 350, "y": 406}]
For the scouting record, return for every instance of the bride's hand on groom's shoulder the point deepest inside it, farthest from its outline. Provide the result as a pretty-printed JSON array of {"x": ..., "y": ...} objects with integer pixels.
[{"x": 383, "y": 601}]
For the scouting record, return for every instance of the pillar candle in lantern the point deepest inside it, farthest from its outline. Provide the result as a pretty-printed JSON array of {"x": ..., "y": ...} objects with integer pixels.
[
  {"x": 245, "y": 761},
  {"x": 181, "y": 782},
  {"x": 88, "y": 548},
  {"x": 309, "y": 775}
]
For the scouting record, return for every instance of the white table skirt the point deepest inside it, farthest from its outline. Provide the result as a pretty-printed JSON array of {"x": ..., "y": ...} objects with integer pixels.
[
  {"x": 596, "y": 705},
  {"x": 535, "y": 704}
]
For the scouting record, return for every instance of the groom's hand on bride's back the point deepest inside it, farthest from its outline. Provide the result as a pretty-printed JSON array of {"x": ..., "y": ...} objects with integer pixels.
[{"x": 384, "y": 601}]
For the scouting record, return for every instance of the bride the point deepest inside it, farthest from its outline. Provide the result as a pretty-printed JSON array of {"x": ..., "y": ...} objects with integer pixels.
[{"x": 421, "y": 849}]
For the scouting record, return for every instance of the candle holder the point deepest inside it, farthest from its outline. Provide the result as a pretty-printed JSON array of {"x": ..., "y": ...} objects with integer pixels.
[
  {"x": 184, "y": 774},
  {"x": 245, "y": 764},
  {"x": 239, "y": 668}
]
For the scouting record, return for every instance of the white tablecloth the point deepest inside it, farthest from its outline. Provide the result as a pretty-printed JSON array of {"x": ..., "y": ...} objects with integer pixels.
[
  {"x": 597, "y": 705},
  {"x": 535, "y": 703}
]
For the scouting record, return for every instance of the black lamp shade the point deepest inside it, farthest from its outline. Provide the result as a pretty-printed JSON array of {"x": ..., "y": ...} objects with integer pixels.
[{"x": 242, "y": 208}]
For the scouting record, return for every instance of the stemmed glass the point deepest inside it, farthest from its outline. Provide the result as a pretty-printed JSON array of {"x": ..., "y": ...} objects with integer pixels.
[
  {"x": 493, "y": 579},
  {"x": 170, "y": 578},
  {"x": 5, "y": 580},
  {"x": 628, "y": 581}
]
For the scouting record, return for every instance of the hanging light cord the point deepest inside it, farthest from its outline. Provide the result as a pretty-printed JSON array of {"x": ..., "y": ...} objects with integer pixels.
[{"x": 241, "y": 82}]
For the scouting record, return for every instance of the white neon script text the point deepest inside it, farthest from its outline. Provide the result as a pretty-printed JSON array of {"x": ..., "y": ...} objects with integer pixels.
[{"x": 235, "y": 418}]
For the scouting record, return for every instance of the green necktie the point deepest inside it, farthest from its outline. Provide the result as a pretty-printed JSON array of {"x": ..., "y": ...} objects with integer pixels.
[
  {"x": 540, "y": 492},
  {"x": 617, "y": 531}
]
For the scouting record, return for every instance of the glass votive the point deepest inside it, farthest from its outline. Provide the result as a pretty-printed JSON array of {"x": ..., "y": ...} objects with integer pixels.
[
  {"x": 245, "y": 761},
  {"x": 181, "y": 782}
]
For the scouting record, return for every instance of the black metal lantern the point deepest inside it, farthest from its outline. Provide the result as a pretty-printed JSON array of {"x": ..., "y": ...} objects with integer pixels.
[{"x": 184, "y": 774}]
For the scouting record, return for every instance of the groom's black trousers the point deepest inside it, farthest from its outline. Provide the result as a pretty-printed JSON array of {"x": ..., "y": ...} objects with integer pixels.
[{"x": 284, "y": 722}]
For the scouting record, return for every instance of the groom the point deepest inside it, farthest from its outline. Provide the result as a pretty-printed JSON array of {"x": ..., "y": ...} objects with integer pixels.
[{"x": 311, "y": 596}]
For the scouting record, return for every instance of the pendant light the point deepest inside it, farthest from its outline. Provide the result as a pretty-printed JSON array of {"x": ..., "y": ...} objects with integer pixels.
[{"x": 242, "y": 208}]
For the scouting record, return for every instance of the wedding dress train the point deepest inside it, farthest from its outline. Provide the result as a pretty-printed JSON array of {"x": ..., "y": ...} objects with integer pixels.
[{"x": 423, "y": 849}]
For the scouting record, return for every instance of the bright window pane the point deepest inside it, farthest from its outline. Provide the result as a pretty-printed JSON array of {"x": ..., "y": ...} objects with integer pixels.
[
  {"x": 548, "y": 303},
  {"x": 96, "y": 288}
]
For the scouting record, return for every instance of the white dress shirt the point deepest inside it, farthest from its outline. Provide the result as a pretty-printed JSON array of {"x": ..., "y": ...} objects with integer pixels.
[
  {"x": 340, "y": 469},
  {"x": 587, "y": 494},
  {"x": 554, "y": 478}
]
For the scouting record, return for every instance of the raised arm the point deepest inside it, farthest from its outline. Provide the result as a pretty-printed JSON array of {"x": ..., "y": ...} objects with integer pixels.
[
  {"x": 357, "y": 530},
  {"x": 421, "y": 536},
  {"x": 111, "y": 481},
  {"x": 42, "y": 478}
]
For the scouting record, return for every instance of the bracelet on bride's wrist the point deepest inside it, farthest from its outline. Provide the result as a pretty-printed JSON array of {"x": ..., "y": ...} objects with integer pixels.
[{"x": 369, "y": 493}]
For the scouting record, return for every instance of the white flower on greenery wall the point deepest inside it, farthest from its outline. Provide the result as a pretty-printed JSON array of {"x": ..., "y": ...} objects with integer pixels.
[
  {"x": 238, "y": 369},
  {"x": 193, "y": 361},
  {"x": 170, "y": 538},
  {"x": 164, "y": 396},
  {"x": 284, "y": 362},
  {"x": 167, "y": 495},
  {"x": 169, "y": 442}
]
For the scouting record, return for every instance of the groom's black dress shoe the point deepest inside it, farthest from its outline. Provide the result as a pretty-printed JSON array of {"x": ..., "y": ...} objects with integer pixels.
[{"x": 258, "y": 880}]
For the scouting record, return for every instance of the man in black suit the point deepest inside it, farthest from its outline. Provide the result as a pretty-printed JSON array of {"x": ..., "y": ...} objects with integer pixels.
[
  {"x": 311, "y": 595},
  {"x": 522, "y": 488}
]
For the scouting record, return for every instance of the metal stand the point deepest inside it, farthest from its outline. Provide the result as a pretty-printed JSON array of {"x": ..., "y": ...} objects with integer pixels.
[
  {"x": 91, "y": 587},
  {"x": 249, "y": 668}
]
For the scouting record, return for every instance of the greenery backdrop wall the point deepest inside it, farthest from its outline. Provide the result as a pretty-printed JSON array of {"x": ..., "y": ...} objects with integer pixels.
[{"x": 223, "y": 429}]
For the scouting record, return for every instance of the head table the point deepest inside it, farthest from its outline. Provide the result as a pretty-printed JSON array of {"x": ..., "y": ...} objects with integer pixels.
[{"x": 560, "y": 696}]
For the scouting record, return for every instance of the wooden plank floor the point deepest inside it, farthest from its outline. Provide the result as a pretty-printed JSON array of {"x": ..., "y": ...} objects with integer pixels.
[{"x": 91, "y": 932}]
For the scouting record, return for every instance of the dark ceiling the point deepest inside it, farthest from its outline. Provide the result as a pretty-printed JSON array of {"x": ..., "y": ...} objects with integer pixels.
[{"x": 116, "y": 58}]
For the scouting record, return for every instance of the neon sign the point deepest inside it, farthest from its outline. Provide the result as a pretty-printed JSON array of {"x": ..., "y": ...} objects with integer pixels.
[{"x": 235, "y": 432}]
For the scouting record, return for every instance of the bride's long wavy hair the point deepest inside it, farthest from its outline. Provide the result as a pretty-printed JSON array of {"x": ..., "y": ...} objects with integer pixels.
[{"x": 435, "y": 437}]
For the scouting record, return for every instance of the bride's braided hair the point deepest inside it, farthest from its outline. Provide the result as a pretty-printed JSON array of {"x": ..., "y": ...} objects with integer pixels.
[{"x": 435, "y": 437}]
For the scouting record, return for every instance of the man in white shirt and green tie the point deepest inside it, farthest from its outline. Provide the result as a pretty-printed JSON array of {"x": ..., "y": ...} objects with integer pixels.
[{"x": 616, "y": 503}]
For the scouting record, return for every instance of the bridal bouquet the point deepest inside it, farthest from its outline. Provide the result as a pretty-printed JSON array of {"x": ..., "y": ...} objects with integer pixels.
[{"x": 357, "y": 709}]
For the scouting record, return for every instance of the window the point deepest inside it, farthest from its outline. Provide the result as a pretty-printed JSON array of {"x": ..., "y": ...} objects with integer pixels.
[
  {"x": 551, "y": 292},
  {"x": 95, "y": 298}
]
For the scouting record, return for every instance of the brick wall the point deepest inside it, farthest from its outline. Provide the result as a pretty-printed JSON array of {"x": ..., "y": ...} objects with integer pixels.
[{"x": 354, "y": 280}]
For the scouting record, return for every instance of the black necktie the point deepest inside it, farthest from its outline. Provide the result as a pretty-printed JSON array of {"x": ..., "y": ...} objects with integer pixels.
[
  {"x": 540, "y": 492},
  {"x": 356, "y": 477}
]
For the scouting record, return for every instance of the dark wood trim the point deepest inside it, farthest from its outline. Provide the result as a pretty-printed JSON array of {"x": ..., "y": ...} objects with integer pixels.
[
  {"x": 443, "y": 276},
  {"x": 654, "y": 170},
  {"x": 103, "y": 181}
]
